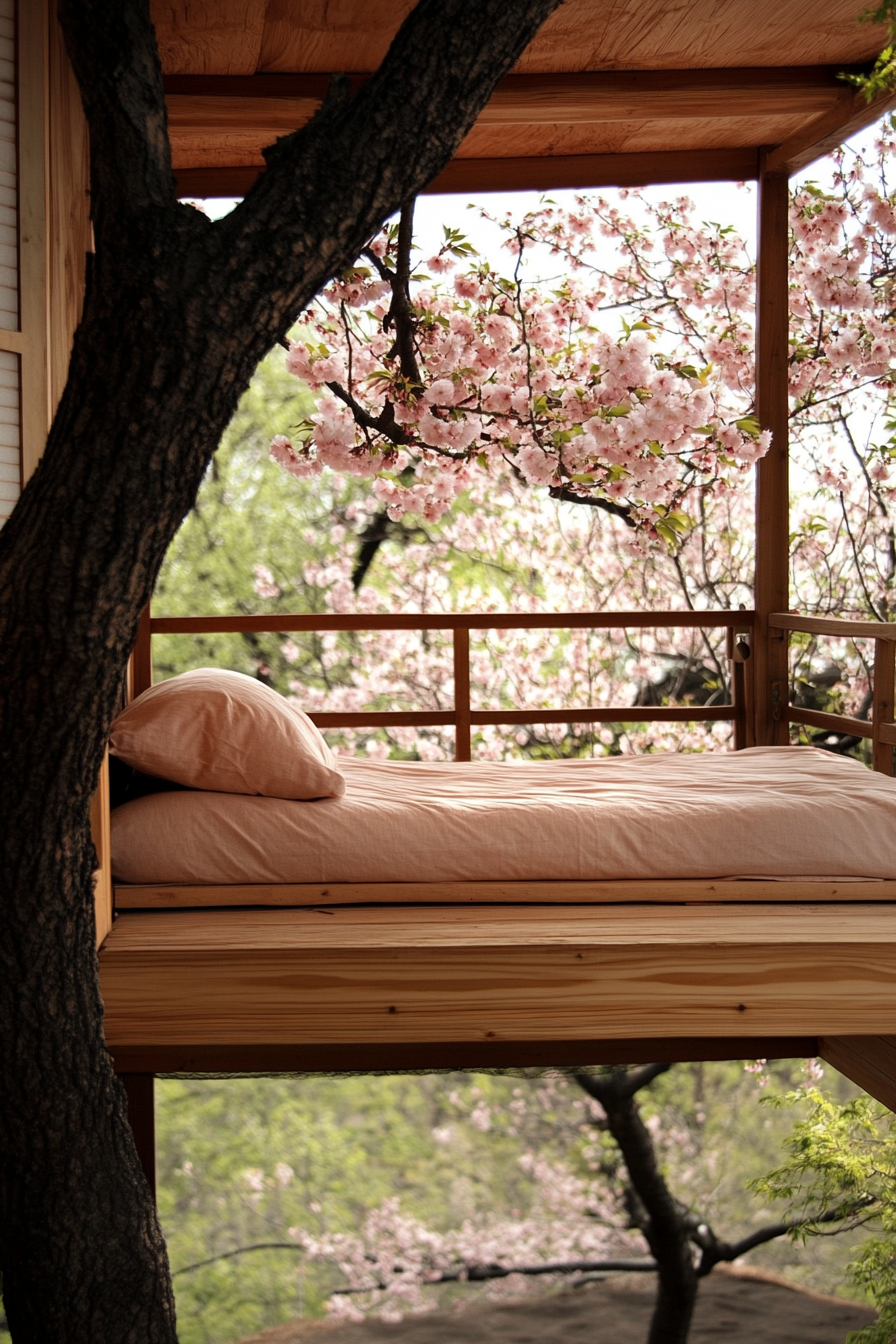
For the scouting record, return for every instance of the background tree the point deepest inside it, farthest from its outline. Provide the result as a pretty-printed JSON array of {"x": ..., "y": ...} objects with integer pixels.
[
  {"x": 178, "y": 313},
  {"x": 846, "y": 1152}
]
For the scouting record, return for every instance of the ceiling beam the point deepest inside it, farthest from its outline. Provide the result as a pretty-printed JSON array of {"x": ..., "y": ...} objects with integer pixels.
[
  {"x": 851, "y": 113},
  {"x": 584, "y": 171},
  {"x": 275, "y": 104}
]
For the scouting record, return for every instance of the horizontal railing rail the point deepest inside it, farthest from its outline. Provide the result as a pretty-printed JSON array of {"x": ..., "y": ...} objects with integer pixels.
[
  {"x": 463, "y": 717},
  {"x": 880, "y": 728},
  {"x": 479, "y": 620}
]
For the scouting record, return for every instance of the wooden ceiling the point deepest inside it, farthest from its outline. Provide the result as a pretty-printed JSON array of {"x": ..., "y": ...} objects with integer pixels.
[{"x": 610, "y": 91}]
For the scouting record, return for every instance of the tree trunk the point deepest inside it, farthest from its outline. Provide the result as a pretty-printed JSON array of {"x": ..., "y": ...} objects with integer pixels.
[
  {"x": 664, "y": 1224},
  {"x": 178, "y": 314}
]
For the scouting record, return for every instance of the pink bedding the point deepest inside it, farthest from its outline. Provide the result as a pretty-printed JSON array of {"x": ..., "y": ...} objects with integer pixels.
[{"x": 770, "y": 811}]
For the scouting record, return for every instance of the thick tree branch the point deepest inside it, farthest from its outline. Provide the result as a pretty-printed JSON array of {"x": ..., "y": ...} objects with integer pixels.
[{"x": 111, "y": 44}]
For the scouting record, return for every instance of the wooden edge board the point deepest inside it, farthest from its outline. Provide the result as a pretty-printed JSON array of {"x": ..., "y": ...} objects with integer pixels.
[
  {"x": 495, "y": 930},
  {"x": 460, "y": 1055},
  {"x": 672, "y": 891},
  {"x": 539, "y": 173}
]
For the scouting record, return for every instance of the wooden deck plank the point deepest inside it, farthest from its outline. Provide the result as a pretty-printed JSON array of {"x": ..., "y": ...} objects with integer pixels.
[
  {"x": 673, "y": 891},
  {"x": 465, "y": 974}
]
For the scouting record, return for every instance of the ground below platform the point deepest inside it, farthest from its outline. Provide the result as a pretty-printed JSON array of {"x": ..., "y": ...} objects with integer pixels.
[{"x": 749, "y": 1307}]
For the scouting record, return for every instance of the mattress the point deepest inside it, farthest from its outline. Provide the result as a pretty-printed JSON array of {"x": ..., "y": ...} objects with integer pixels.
[{"x": 781, "y": 812}]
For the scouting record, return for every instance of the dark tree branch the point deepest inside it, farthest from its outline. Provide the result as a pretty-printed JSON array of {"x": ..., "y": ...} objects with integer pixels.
[
  {"x": 568, "y": 496},
  {"x": 473, "y": 1273},
  {"x": 400, "y": 315},
  {"x": 240, "y": 1250},
  {"x": 714, "y": 1252},
  {"x": 384, "y": 423}
]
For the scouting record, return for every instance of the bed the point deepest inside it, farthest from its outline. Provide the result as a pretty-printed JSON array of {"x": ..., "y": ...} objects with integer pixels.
[
  {"x": 520, "y": 913},
  {"x": 773, "y": 813}
]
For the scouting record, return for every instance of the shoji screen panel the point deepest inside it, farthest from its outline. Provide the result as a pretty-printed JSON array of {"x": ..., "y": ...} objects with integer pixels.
[{"x": 44, "y": 214}]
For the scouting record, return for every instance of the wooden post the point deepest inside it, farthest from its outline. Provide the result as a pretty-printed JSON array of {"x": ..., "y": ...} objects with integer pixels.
[
  {"x": 883, "y": 704},
  {"x": 772, "y": 476},
  {"x": 738, "y": 651},
  {"x": 140, "y": 673},
  {"x": 102, "y": 841},
  {"x": 462, "y": 694},
  {"x": 140, "y": 1091}
]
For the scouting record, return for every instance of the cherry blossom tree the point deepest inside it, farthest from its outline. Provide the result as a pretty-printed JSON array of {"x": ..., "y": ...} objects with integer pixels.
[{"x": 446, "y": 379}]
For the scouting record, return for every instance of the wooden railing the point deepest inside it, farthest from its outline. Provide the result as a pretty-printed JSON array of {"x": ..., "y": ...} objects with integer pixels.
[
  {"x": 463, "y": 718},
  {"x": 880, "y": 728}
]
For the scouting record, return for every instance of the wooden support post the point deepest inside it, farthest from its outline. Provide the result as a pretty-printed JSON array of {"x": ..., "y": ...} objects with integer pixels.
[
  {"x": 462, "y": 694},
  {"x": 772, "y": 476},
  {"x": 100, "y": 830},
  {"x": 140, "y": 1091},
  {"x": 140, "y": 673},
  {"x": 739, "y": 669},
  {"x": 883, "y": 704}
]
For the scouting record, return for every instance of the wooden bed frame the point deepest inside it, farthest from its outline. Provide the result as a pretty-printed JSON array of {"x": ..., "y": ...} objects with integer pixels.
[{"x": 346, "y": 976}]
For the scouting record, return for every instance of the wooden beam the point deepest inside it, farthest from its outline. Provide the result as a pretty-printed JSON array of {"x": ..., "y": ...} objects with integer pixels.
[
  {"x": 173, "y": 896},
  {"x": 832, "y": 723},
  {"x": 278, "y": 103},
  {"x": 428, "y": 974},
  {"x": 870, "y": 1061},
  {"x": 455, "y": 1055},
  {"x": 139, "y": 1088},
  {"x": 584, "y": 171},
  {"x": 836, "y": 626},
  {"x": 850, "y": 114},
  {"x": 772, "y": 471}
]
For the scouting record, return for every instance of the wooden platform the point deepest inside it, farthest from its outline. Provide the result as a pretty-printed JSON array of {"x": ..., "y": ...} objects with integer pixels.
[{"x": 342, "y": 982}]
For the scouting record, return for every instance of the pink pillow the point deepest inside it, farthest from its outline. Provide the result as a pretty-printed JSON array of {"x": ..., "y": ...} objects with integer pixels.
[{"x": 226, "y": 732}]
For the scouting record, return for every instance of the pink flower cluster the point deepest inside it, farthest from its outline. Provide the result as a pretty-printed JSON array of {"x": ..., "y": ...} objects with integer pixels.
[{"x": 513, "y": 374}]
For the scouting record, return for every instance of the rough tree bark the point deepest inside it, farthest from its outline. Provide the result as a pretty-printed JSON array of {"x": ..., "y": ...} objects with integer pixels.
[{"x": 178, "y": 313}]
